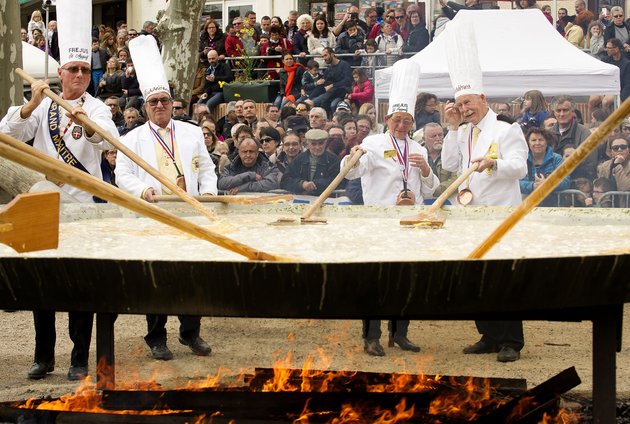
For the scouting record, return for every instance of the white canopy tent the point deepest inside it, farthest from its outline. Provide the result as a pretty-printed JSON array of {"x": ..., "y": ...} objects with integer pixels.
[
  {"x": 33, "y": 62},
  {"x": 519, "y": 51}
]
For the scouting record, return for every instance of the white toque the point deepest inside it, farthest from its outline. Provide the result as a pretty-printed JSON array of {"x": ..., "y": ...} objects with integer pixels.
[
  {"x": 404, "y": 87},
  {"x": 463, "y": 58},
  {"x": 149, "y": 68},
  {"x": 74, "y": 29}
]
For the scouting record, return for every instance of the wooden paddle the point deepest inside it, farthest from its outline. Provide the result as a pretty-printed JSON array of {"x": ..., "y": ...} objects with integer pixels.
[
  {"x": 242, "y": 200},
  {"x": 432, "y": 218},
  {"x": 29, "y": 157},
  {"x": 306, "y": 217},
  {"x": 93, "y": 126},
  {"x": 543, "y": 190},
  {"x": 31, "y": 222}
]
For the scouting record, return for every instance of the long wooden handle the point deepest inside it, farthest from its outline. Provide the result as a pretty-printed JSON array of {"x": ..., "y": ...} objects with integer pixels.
[
  {"x": 29, "y": 157},
  {"x": 451, "y": 189},
  {"x": 350, "y": 163},
  {"x": 543, "y": 190},
  {"x": 93, "y": 126},
  {"x": 243, "y": 200}
]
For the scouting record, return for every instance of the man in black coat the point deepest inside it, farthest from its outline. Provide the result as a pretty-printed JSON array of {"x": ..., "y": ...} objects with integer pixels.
[
  {"x": 217, "y": 74},
  {"x": 313, "y": 170}
]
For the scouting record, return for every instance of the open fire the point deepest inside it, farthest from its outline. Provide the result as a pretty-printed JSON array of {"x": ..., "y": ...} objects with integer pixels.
[{"x": 304, "y": 396}]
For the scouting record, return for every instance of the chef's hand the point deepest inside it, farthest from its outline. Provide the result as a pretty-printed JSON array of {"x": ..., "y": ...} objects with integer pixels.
[
  {"x": 417, "y": 161},
  {"x": 149, "y": 195},
  {"x": 37, "y": 95},
  {"x": 485, "y": 163},
  {"x": 452, "y": 115}
]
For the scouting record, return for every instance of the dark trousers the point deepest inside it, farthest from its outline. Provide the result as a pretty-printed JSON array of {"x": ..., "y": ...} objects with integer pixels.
[
  {"x": 372, "y": 328},
  {"x": 80, "y": 329},
  {"x": 502, "y": 333},
  {"x": 156, "y": 325}
]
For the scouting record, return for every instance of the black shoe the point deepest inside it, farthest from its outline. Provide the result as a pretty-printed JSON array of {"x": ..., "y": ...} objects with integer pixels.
[
  {"x": 197, "y": 345},
  {"x": 161, "y": 352},
  {"x": 77, "y": 373},
  {"x": 39, "y": 370},
  {"x": 508, "y": 354},
  {"x": 373, "y": 348},
  {"x": 480, "y": 347},
  {"x": 405, "y": 344}
]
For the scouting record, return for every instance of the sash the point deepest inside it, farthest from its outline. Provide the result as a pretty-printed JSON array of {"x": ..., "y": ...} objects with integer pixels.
[{"x": 60, "y": 146}]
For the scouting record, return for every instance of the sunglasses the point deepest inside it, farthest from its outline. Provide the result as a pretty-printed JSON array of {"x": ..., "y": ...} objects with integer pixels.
[
  {"x": 300, "y": 110},
  {"x": 619, "y": 147},
  {"x": 266, "y": 140},
  {"x": 76, "y": 69},
  {"x": 178, "y": 107},
  {"x": 206, "y": 133},
  {"x": 617, "y": 16},
  {"x": 398, "y": 17},
  {"x": 164, "y": 100}
]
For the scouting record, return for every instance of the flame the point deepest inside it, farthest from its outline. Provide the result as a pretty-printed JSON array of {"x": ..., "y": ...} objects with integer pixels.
[
  {"x": 562, "y": 417},
  {"x": 466, "y": 402}
]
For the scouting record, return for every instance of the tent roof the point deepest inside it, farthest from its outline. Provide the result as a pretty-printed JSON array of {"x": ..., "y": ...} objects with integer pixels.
[
  {"x": 33, "y": 63},
  {"x": 518, "y": 51}
]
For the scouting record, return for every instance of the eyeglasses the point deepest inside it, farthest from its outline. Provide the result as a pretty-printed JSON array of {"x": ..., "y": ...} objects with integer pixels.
[
  {"x": 178, "y": 107},
  {"x": 291, "y": 144},
  {"x": 206, "y": 133},
  {"x": 625, "y": 128},
  {"x": 398, "y": 17},
  {"x": 617, "y": 16},
  {"x": 303, "y": 109},
  {"x": 164, "y": 100},
  {"x": 237, "y": 23},
  {"x": 76, "y": 69},
  {"x": 133, "y": 34},
  {"x": 390, "y": 16},
  {"x": 619, "y": 147},
  {"x": 266, "y": 140}
]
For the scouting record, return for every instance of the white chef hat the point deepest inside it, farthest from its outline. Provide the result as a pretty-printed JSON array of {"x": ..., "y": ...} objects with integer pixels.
[
  {"x": 149, "y": 68},
  {"x": 463, "y": 58},
  {"x": 404, "y": 87},
  {"x": 74, "y": 29}
]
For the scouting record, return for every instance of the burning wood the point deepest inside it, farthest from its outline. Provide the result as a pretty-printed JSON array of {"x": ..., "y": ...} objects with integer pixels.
[{"x": 297, "y": 396}]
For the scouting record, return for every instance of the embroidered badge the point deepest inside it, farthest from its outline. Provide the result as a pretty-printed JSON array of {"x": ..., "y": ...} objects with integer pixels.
[
  {"x": 77, "y": 132},
  {"x": 195, "y": 164}
]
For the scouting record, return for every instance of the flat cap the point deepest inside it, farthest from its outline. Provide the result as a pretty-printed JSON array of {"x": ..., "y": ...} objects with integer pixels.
[{"x": 316, "y": 134}]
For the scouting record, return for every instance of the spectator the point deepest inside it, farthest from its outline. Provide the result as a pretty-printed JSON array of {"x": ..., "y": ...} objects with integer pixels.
[
  {"x": 300, "y": 45},
  {"x": 352, "y": 14},
  {"x": 310, "y": 89},
  {"x": 132, "y": 96},
  {"x": 546, "y": 10},
  {"x": 569, "y": 131},
  {"x": 369, "y": 62},
  {"x": 433, "y": 137},
  {"x": 216, "y": 75},
  {"x": 317, "y": 118},
  {"x": 594, "y": 41},
  {"x": 586, "y": 187},
  {"x": 122, "y": 55},
  {"x": 320, "y": 38},
  {"x": 121, "y": 38},
  {"x": 418, "y": 36},
  {"x": 364, "y": 125},
  {"x": 614, "y": 49},
  {"x": 249, "y": 171},
  {"x": 337, "y": 80},
  {"x": 601, "y": 186},
  {"x": 277, "y": 21},
  {"x": 526, "y": 4},
  {"x": 574, "y": 34},
  {"x": 291, "y": 147},
  {"x": 53, "y": 40},
  {"x": 426, "y": 110},
  {"x": 108, "y": 165},
  {"x": 617, "y": 169},
  {"x": 541, "y": 162},
  {"x": 534, "y": 110},
  {"x": 549, "y": 123},
  {"x": 313, "y": 170},
  {"x": 362, "y": 90},
  {"x": 563, "y": 20},
  {"x": 117, "y": 115},
  {"x": 24, "y": 35},
  {"x": 351, "y": 41},
  {"x": 336, "y": 139},
  {"x": 132, "y": 119},
  {"x": 108, "y": 42},
  {"x": 100, "y": 57},
  {"x": 274, "y": 48},
  {"x": 370, "y": 15},
  {"x": 233, "y": 44},
  {"x": 619, "y": 29},
  {"x": 265, "y": 24},
  {"x": 402, "y": 23},
  {"x": 583, "y": 16},
  {"x": 370, "y": 110},
  {"x": 36, "y": 22},
  {"x": 505, "y": 109},
  {"x": 290, "y": 25},
  {"x": 390, "y": 43},
  {"x": 302, "y": 109},
  {"x": 261, "y": 124},
  {"x": 180, "y": 111},
  {"x": 111, "y": 81},
  {"x": 290, "y": 80},
  {"x": 251, "y": 24},
  {"x": 249, "y": 113},
  {"x": 270, "y": 141},
  {"x": 272, "y": 115},
  {"x": 212, "y": 38}
]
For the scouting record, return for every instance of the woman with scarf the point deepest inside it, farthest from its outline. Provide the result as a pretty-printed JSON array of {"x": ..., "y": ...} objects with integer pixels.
[{"x": 290, "y": 81}]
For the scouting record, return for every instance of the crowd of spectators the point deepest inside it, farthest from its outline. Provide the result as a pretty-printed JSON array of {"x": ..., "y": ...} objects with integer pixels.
[{"x": 325, "y": 102}]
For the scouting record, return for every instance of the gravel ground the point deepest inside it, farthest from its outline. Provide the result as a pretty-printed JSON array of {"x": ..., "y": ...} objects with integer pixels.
[{"x": 241, "y": 344}]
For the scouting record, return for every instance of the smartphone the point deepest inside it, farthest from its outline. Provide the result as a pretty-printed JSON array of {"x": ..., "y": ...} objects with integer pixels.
[{"x": 605, "y": 11}]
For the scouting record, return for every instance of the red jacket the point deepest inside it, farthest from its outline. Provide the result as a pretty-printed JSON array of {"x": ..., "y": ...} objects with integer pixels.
[
  {"x": 233, "y": 46},
  {"x": 268, "y": 49},
  {"x": 362, "y": 93}
]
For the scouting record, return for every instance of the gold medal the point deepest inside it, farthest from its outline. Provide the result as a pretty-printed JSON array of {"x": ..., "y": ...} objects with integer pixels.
[{"x": 464, "y": 197}]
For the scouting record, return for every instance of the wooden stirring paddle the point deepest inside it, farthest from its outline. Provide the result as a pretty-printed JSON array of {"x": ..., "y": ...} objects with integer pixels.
[
  {"x": 31, "y": 222},
  {"x": 432, "y": 218}
]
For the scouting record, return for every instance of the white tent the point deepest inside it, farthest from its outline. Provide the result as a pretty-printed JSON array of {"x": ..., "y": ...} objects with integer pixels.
[
  {"x": 518, "y": 50},
  {"x": 33, "y": 62}
]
